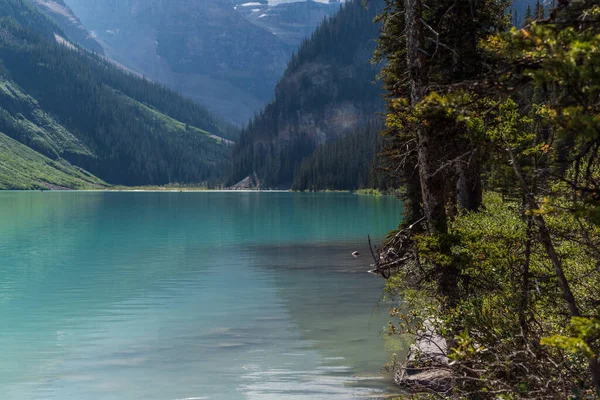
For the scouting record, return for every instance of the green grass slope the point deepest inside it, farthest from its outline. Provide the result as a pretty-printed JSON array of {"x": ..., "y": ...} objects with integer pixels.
[
  {"x": 22, "y": 118},
  {"x": 22, "y": 168}
]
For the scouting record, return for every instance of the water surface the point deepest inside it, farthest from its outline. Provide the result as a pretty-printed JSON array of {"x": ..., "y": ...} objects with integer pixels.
[{"x": 191, "y": 296}]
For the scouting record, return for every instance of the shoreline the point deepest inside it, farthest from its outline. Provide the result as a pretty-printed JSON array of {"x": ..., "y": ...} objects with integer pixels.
[{"x": 361, "y": 192}]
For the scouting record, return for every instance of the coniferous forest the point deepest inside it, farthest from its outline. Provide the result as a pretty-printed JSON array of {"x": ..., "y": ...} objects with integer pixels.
[
  {"x": 328, "y": 90},
  {"x": 494, "y": 133},
  {"x": 348, "y": 163}
]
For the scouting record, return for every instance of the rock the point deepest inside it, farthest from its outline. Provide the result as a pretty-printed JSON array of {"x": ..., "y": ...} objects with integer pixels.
[
  {"x": 251, "y": 182},
  {"x": 438, "y": 380},
  {"x": 426, "y": 366}
]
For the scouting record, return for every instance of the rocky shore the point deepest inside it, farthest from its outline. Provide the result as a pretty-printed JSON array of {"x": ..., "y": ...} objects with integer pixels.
[{"x": 426, "y": 367}]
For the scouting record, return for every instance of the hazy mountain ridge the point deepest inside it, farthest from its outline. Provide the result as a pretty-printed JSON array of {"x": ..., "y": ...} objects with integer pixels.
[{"x": 210, "y": 51}]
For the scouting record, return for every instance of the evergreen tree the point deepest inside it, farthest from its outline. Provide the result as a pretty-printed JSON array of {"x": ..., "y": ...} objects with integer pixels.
[
  {"x": 528, "y": 15},
  {"x": 511, "y": 285},
  {"x": 447, "y": 56},
  {"x": 540, "y": 10}
]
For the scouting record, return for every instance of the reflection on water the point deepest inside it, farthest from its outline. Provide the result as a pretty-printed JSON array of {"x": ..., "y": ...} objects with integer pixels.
[{"x": 191, "y": 296}]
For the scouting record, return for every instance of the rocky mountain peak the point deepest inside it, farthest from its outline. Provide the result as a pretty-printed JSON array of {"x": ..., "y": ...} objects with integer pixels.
[{"x": 228, "y": 55}]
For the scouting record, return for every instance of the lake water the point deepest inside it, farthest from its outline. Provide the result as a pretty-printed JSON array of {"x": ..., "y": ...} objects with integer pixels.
[{"x": 192, "y": 296}]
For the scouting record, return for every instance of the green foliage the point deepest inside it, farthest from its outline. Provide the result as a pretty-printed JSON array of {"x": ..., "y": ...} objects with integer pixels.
[
  {"x": 513, "y": 286},
  {"x": 23, "y": 168},
  {"x": 496, "y": 250},
  {"x": 583, "y": 331}
]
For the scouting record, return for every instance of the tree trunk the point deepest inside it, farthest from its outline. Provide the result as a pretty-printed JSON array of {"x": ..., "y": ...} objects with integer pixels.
[
  {"x": 432, "y": 184},
  {"x": 417, "y": 64},
  {"x": 468, "y": 186},
  {"x": 429, "y": 149},
  {"x": 525, "y": 281},
  {"x": 412, "y": 195},
  {"x": 546, "y": 240},
  {"x": 563, "y": 283},
  {"x": 595, "y": 371}
]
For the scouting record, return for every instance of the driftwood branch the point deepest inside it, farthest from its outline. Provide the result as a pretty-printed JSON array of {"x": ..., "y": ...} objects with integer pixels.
[{"x": 398, "y": 251}]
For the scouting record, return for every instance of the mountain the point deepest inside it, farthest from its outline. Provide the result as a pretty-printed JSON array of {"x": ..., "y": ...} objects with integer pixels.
[
  {"x": 82, "y": 113},
  {"x": 226, "y": 56},
  {"x": 327, "y": 92},
  {"x": 291, "y": 22},
  {"x": 69, "y": 23}
]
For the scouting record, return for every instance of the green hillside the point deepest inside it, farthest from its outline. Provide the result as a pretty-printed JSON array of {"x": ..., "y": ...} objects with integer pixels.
[
  {"x": 68, "y": 104},
  {"x": 24, "y": 120},
  {"x": 23, "y": 168}
]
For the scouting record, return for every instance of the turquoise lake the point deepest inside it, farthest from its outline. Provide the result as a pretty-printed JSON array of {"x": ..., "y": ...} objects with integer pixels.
[{"x": 208, "y": 295}]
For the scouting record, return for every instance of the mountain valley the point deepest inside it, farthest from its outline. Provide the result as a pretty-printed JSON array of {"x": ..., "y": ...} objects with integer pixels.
[{"x": 224, "y": 55}]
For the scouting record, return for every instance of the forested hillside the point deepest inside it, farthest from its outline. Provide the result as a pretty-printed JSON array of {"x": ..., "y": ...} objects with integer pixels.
[
  {"x": 69, "y": 105},
  {"x": 69, "y": 23},
  {"x": 494, "y": 133},
  {"x": 327, "y": 92},
  {"x": 348, "y": 163}
]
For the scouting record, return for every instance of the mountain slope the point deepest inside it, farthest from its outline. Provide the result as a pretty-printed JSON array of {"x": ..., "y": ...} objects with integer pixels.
[
  {"x": 218, "y": 53},
  {"x": 23, "y": 168},
  {"x": 21, "y": 115},
  {"x": 69, "y": 23},
  {"x": 74, "y": 107},
  {"x": 327, "y": 92},
  {"x": 345, "y": 164}
]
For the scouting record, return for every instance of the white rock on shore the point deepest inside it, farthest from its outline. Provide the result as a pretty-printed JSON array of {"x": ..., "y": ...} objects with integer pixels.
[{"x": 426, "y": 366}]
